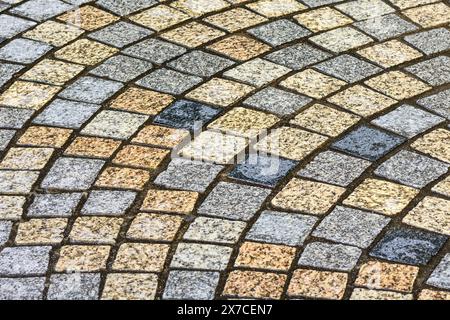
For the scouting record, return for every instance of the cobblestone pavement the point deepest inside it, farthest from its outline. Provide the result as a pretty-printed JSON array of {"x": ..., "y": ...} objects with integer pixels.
[{"x": 104, "y": 195}]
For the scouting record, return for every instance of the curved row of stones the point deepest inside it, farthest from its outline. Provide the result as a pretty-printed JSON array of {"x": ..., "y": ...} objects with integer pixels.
[{"x": 107, "y": 193}]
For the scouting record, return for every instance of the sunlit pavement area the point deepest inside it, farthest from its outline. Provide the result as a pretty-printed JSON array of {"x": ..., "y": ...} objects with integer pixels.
[{"x": 223, "y": 149}]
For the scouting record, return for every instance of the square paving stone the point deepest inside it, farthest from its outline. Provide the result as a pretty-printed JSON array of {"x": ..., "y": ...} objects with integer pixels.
[
  {"x": 350, "y": 226},
  {"x": 362, "y": 100},
  {"x": 142, "y": 101},
  {"x": 115, "y": 124},
  {"x": 75, "y": 52},
  {"x": 122, "y": 68},
  {"x": 72, "y": 174},
  {"x": 290, "y": 143},
  {"x": 239, "y": 47},
  {"x": 233, "y": 201},
  {"x": 124, "y": 8},
  {"x": 123, "y": 178},
  {"x": 75, "y": 286},
  {"x": 409, "y": 246},
  {"x": 170, "y": 201},
  {"x": 385, "y": 27},
  {"x": 41, "y": 231},
  {"x": 67, "y": 114},
  {"x": 257, "y": 72},
  {"x": 144, "y": 257},
  {"x": 368, "y": 143},
  {"x": 347, "y": 68},
  {"x": 430, "y": 41},
  {"x": 201, "y": 256},
  {"x": 17, "y": 181},
  {"x": 281, "y": 228},
  {"x": 185, "y": 114},
  {"x": 12, "y": 118},
  {"x": 381, "y": 196},
  {"x": 253, "y": 284},
  {"x": 322, "y": 19},
  {"x": 430, "y": 214},
  {"x": 5, "y": 229},
  {"x": 30, "y": 288},
  {"x": 408, "y": 121},
  {"x": 159, "y": 17},
  {"x": 220, "y": 92},
  {"x": 398, "y": 85},
  {"x": 155, "y": 50},
  {"x": 130, "y": 286},
  {"x": 277, "y": 101},
  {"x": 15, "y": 261},
  {"x": 200, "y": 63},
  {"x": 341, "y": 39},
  {"x": 275, "y": 8},
  {"x": 54, "y": 33},
  {"x": 297, "y": 56},
  {"x": 41, "y": 9},
  {"x": 11, "y": 207},
  {"x": 54, "y": 205},
  {"x": 52, "y": 72},
  {"x": 140, "y": 157},
  {"x": 45, "y": 137},
  {"x": 120, "y": 34},
  {"x": 427, "y": 294},
  {"x": 435, "y": 144},
  {"x": 317, "y": 284},
  {"x": 435, "y": 71},
  {"x": 88, "y": 18},
  {"x": 108, "y": 202},
  {"x": 325, "y": 120},
  {"x": 279, "y": 32},
  {"x": 5, "y": 137},
  {"x": 7, "y": 70},
  {"x": 265, "y": 256},
  {"x": 443, "y": 187},
  {"x": 91, "y": 90},
  {"x": 95, "y": 230},
  {"x": 10, "y": 26},
  {"x": 307, "y": 196},
  {"x": 214, "y": 230},
  {"x": 390, "y": 53},
  {"x": 235, "y": 19},
  {"x": 188, "y": 175},
  {"x": 149, "y": 226},
  {"x": 387, "y": 276},
  {"x": 244, "y": 122},
  {"x": 330, "y": 256},
  {"x": 200, "y": 7},
  {"x": 161, "y": 136},
  {"x": 365, "y": 9},
  {"x": 215, "y": 147},
  {"x": 262, "y": 169},
  {"x": 412, "y": 169},
  {"x": 429, "y": 15},
  {"x": 335, "y": 168},
  {"x": 169, "y": 81},
  {"x": 438, "y": 103},
  {"x": 26, "y": 158},
  {"x": 23, "y": 51},
  {"x": 92, "y": 147},
  {"x": 28, "y": 95},
  {"x": 441, "y": 275},
  {"x": 369, "y": 294},
  {"x": 192, "y": 34},
  {"x": 82, "y": 258},
  {"x": 196, "y": 285}
]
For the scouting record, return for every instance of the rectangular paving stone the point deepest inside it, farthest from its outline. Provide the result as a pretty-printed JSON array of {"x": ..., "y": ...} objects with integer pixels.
[
  {"x": 130, "y": 286},
  {"x": 322, "y": 19},
  {"x": 105, "y": 202},
  {"x": 41, "y": 232},
  {"x": 233, "y": 201},
  {"x": 17, "y": 182},
  {"x": 390, "y": 53},
  {"x": 72, "y": 174},
  {"x": 297, "y": 56},
  {"x": 435, "y": 144},
  {"x": 265, "y": 256},
  {"x": 41, "y": 9},
  {"x": 385, "y": 27},
  {"x": 196, "y": 285},
  {"x": 88, "y": 18},
  {"x": 142, "y": 257},
  {"x": 26, "y": 158},
  {"x": 235, "y": 19},
  {"x": 10, "y": 26},
  {"x": 435, "y": 71},
  {"x": 30, "y": 288},
  {"x": 430, "y": 214},
  {"x": 20, "y": 261},
  {"x": 154, "y": 50},
  {"x": 200, "y": 63},
  {"x": 159, "y": 17},
  {"x": 254, "y": 284},
  {"x": 91, "y": 90},
  {"x": 122, "y": 68},
  {"x": 82, "y": 258},
  {"x": 120, "y": 34},
  {"x": 52, "y": 72},
  {"x": 239, "y": 47},
  {"x": 142, "y": 101},
  {"x": 412, "y": 169},
  {"x": 369, "y": 294},
  {"x": 23, "y": 51},
  {"x": 192, "y": 34},
  {"x": 169, "y": 81},
  {"x": 214, "y": 230},
  {"x": 28, "y": 95},
  {"x": 350, "y": 226},
  {"x": 335, "y": 168},
  {"x": 281, "y": 228},
  {"x": 53, "y": 33},
  {"x": 341, "y": 39},
  {"x": 159, "y": 227},
  {"x": 279, "y": 32},
  {"x": 76, "y": 52},
  {"x": 170, "y": 201},
  {"x": 430, "y": 41}
]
